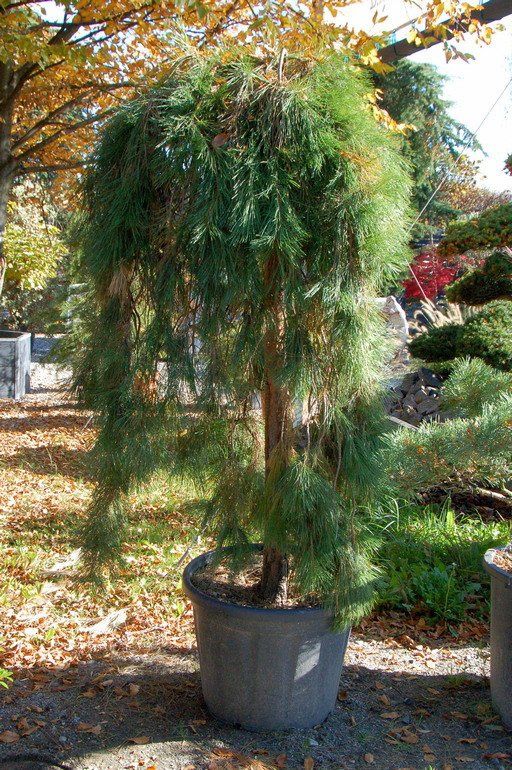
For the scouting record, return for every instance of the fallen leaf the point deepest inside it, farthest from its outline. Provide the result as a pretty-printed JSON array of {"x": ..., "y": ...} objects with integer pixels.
[
  {"x": 188, "y": 767},
  {"x": 409, "y": 737},
  {"x": 389, "y": 715},
  {"x": 342, "y": 695},
  {"x": 384, "y": 700},
  {"x": 89, "y": 693},
  {"x": 465, "y": 758},
  {"x": 369, "y": 758},
  {"x": 108, "y": 623},
  {"x": 9, "y": 736},
  {"x": 379, "y": 686},
  {"x": 447, "y": 766},
  {"x": 220, "y": 139},
  {"x": 85, "y": 727},
  {"x": 133, "y": 689},
  {"x": 458, "y": 715},
  {"x": 309, "y": 763},
  {"x": 24, "y": 728},
  {"x": 466, "y": 740},
  {"x": 140, "y": 740},
  {"x": 497, "y": 755},
  {"x": 281, "y": 760}
]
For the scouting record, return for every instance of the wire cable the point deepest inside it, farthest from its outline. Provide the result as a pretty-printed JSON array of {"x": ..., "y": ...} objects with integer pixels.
[{"x": 459, "y": 156}]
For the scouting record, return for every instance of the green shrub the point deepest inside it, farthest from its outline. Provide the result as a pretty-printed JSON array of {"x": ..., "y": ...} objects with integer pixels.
[
  {"x": 455, "y": 454},
  {"x": 491, "y": 282},
  {"x": 490, "y": 230},
  {"x": 488, "y": 335},
  {"x": 430, "y": 560},
  {"x": 440, "y": 592},
  {"x": 472, "y": 384},
  {"x": 439, "y": 344}
]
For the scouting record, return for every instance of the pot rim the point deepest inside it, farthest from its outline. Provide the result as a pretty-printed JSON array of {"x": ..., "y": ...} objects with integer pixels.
[
  {"x": 493, "y": 569},
  {"x": 289, "y": 614}
]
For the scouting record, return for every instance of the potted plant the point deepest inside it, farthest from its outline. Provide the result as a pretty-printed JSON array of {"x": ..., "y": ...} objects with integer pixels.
[
  {"x": 239, "y": 219},
  {"x": 498, "y": 563}
]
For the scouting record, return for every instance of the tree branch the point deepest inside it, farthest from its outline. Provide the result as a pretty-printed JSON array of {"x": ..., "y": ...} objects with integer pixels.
[
  {"x": 42, "y": 169},
  {"x": 69, "y": 129},
  {"x": 91, "y": 90}
]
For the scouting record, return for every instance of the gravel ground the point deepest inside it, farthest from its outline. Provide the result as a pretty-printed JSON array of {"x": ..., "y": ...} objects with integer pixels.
[{"x": 398, "y": 708}]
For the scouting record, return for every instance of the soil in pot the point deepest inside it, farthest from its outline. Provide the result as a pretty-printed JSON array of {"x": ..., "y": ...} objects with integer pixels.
[
  {"x": 262, "y": 668},
  {"x": 503, "y": 560},
  {"x": 241, "y": 586}
]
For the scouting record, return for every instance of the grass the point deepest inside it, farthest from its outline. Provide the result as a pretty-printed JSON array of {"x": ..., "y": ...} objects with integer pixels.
[{"x": 431, "y": 560}]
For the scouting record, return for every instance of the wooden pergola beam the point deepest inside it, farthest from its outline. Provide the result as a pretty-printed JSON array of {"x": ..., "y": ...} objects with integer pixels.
[{"x": 493, "y": 10}]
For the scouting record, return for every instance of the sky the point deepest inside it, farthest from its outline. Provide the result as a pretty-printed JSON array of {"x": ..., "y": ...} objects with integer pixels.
[{"x": 472, "y": 86}]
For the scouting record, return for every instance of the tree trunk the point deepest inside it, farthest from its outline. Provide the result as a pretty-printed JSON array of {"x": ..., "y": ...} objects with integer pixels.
[
  {"x": 7, "y": 163},
  {"x": 5, "y": 189},
  {"x": 277, "y": 423}
]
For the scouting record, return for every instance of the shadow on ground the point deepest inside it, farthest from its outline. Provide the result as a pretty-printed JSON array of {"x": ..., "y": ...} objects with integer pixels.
[
  {"x": 50, "y": 460},
  {"x": 155, "y": 699},
  {"x": 37, "y": 421}
]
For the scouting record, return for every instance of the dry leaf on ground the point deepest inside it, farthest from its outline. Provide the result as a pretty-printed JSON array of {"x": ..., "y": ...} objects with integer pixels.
[
  {"x": 9, "y": 736},
  {"x": 85, "y": 727}
]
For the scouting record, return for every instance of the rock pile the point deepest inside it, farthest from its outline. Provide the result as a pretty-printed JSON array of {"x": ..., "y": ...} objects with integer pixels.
[{"x": 416, "y": 398}]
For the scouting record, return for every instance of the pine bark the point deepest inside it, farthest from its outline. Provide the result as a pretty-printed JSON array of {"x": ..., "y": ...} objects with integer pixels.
[{"x": 277, "y": 422}]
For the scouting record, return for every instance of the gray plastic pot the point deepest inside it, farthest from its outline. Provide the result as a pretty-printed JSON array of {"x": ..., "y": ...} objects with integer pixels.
[
  {"x": 501, "y": 638},
  {"x": 265, "y": 669}
]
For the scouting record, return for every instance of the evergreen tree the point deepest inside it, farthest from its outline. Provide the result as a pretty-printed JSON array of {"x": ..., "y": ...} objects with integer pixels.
[
  {"x": 239, "y": 219},
  {"x": 412, "y": 93}
]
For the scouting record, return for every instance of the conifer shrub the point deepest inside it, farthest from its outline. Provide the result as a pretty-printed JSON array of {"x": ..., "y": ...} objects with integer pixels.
[
  {"x": 490, "y": 282},
  {"x": 472, "y": 384},
  {"x": 439, "y": 344},
  {"x": 490, "y": 230},
  {"x": 488, "y": 335}
]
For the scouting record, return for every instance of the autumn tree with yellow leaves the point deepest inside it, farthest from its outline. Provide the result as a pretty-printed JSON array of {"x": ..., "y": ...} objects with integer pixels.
[{"x": 65, "y": 65}]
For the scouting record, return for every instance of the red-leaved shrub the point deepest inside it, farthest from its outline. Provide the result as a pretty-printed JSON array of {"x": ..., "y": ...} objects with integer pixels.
[{"x": 432, "y": 272}]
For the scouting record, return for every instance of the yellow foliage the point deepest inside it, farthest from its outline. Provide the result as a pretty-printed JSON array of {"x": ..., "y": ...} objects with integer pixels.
[{"x": 70, "y": 64}]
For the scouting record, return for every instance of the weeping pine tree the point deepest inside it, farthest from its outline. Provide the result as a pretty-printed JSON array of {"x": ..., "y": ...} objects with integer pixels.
[{"x": 239, "y": 219}]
